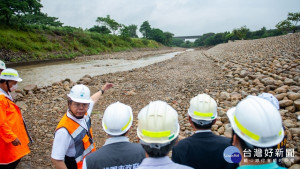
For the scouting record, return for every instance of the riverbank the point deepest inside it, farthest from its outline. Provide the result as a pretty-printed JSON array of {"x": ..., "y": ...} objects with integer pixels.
[
  {"x": 227, "y": 72},
  {"x": 38, "y": 43}
]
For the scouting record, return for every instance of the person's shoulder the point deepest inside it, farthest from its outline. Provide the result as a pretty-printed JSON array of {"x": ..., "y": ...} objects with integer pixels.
[
  {"x": 186, "y": 140},
  {"x": 3, "y": 99},
  {"x": 62, "y": 133},
  {"x": 181, "y": 166},
  {"x": 223, "y": 138},
  {"x": 2, "y": 96},
  {"x": 183, "y": 143},
  {"x": 135, "y": 146},
  {"x": 101, "y": 152}
]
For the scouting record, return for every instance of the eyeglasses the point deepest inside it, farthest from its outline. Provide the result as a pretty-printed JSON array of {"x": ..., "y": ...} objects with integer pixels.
[{"x": 78, "y": 105}]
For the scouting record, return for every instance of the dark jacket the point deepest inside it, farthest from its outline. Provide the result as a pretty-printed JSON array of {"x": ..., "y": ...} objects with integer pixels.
[
  {"x": 202, "y": 150},
  {"x": 120, "y": 154}
]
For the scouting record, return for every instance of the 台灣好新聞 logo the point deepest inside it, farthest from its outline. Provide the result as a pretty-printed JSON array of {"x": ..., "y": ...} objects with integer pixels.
[{"x": 232, "y": 155}]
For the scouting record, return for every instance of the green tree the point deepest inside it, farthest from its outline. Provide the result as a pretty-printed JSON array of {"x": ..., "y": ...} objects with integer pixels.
[
  {"x": 168, "y": 38},
  {"x": 284, "y": 25},
  {"x": 290, "y": 23},
  {"x": 187, "y": 44},
  {"x": 125, "y": 34},
  {"x": 11, "y": 8},
  {"x": 158, "y": 35},
  {"x": 132, "y": 31},
  {"x": 258, "y": 34},
  {"x": 215, "y": 39},
  {"x": 111, "y": 24},
  {"x": 40, "y": 19},
  {"x": 100, "y": 29},
  {"x": 241, "y": 33},
  {"x": 177, "y": 42},
  {"x": 200, "y": 41},
  {"x": 145, "y": 29},
  {"x": 231, "y": 36}
]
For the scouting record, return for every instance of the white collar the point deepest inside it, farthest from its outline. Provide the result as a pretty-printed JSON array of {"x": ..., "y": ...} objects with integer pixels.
[
  {"x": 203, "y": 131},
  {"x": 118, "y": 139},
  {"x": 8, "y": 95}
]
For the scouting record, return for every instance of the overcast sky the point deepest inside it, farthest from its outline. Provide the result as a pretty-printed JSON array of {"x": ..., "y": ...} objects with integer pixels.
[{"x": 180, "y": 17}]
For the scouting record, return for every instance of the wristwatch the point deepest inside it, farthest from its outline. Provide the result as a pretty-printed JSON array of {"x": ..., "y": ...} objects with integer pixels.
[{"x": 102, "y": 91}]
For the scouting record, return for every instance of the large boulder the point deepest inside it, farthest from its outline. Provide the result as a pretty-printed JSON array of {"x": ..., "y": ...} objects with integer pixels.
[
  {"x": 297, "y": 104},
  {"x": 293, "y": 96},
  {"x": 288, "y": 81},
  {"x": 244, "y": 73},
  {"x": 289, "y": 123},
  {"x": 295, "y": 166},
  {"x": 268, "y": 81},
  {"x": 280, "y": 96},
  {"x": 285, "y": 103},
  {"x": 282, "y": 89},
  {"x": 30, "y": 87},
  {"x": 224, "y": 96},
  {"x": 295, "y": 131},
  {"x": 235, "y": 96}
]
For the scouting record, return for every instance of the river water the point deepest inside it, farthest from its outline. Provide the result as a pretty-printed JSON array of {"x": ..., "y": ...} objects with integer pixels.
[{"x": 48, "y": 73}]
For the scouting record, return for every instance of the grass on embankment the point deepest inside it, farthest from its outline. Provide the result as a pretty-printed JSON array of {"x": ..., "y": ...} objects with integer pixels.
[{"x": 30, "y": 43}]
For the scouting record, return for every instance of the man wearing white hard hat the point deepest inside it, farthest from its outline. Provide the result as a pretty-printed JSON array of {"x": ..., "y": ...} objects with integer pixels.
[
  {"x": 73, "y": 135},
  {"x": 257, "y": 125},
  {"x": 282, "y": 145},
  {"x": 158, "y": 130},
  {"x": 2, "y": 66},
  {"x": 14, "y": 137},
  {"x": 117, "y": 152},
  {"x": 203, "y": 149}
]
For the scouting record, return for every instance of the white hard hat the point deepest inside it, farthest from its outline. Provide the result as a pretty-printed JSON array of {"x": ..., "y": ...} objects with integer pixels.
[
  {"x": 2, "y": 65},
  {"x": 203, "y": 107},
  {"x": 10, "y": 74},
  {"x": 256, "y": 121},
  {"x": 117, "y": 119},
  {"x": 158, "y": 123},
  {"x": 80, "y": 93},
  {"x": 270, "y": 98}
]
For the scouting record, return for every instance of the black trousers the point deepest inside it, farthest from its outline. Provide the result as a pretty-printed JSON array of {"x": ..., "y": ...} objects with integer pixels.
[
  {"x": 70, "y": 162},
  {"x": 12, "y": 165}
]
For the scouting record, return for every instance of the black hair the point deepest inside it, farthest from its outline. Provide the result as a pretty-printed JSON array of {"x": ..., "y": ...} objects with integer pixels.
[
  {"x": 69, "y": 100},
  {"x": 163, "y": 151},
  {"x": 197, "y": 126},
  {"x": 203, "y": 127},
  {"x": 5, "y": 81},
  {"x": 245, "y": 146}
]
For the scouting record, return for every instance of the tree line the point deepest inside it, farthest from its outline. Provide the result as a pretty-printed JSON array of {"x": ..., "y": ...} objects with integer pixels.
[
  {"x": 107, "y": 25},
  {"x": 15, "y": 12},
  {"x": 242, "y": 33},
  {"x": 28, "y": 12}
]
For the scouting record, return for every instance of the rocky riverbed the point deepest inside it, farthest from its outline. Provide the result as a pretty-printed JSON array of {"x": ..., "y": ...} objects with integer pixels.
[{"x": 228, "y": 72}]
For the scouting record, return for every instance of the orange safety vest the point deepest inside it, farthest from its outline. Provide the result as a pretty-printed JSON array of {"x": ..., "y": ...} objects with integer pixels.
[
  {"x": 12, "y": 126},
  {"x": 83, "y": 139}
]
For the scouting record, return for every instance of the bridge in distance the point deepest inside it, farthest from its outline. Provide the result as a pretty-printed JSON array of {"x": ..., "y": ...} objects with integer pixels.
[{"x": 188, "y": 38}]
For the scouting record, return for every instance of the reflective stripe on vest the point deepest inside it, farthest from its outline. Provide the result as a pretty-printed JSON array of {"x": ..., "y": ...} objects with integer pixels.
[
  {"x": 83, "y": 139},
  {"x": 88, "y": 150}
]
